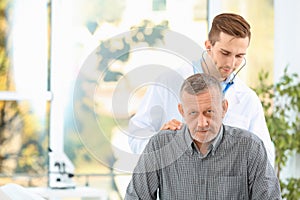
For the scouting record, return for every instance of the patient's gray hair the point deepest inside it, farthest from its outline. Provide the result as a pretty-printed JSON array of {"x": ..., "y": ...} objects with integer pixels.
[{"x": 199, "y": 83}]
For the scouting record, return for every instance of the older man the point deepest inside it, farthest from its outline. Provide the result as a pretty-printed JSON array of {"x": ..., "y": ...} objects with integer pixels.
[{"x": 204, "y": 159}]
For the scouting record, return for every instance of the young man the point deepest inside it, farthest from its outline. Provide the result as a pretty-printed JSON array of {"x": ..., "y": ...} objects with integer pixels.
[
  {"x": 205, "y": 159},
  {"x": 227, "y": 44}
]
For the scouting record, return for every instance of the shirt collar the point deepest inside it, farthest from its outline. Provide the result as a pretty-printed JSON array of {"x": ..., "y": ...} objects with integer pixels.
[
  {"x": 229, "y": 78},
  {"x": 188, "y": 139},
  {"x": 216, "y": 142}
]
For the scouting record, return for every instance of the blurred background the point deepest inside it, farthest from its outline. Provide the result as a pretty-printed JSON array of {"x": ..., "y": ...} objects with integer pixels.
[{"x": 61, "y": 69}]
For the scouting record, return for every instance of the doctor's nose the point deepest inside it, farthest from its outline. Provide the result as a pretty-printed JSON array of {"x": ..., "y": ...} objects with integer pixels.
[{"x": 231, "y": 62}]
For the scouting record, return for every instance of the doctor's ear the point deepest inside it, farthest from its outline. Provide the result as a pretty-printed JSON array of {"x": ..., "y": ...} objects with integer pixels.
[{"x": 208, "y": 45}]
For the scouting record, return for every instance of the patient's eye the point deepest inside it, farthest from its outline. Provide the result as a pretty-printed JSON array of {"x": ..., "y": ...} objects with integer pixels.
[
  {"x": 193, "y": 113},
  {"x": 209, "y": 112}
]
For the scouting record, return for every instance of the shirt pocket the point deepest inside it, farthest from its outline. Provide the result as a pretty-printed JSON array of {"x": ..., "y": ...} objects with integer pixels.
[{"x": 227, "y": 188}]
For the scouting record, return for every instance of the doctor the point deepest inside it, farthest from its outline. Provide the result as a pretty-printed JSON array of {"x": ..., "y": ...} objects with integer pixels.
[{"x": 226, "y": 46}]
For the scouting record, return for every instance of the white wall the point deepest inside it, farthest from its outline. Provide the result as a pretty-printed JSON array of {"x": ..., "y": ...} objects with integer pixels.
[
  {"x": 214, "y": 8},
  {"x": 286, "y": 36},
  {"x": 287, "y": 49}
]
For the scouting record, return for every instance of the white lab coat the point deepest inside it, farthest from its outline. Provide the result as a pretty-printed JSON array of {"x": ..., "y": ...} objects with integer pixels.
[{"x": 160, "y": 103}]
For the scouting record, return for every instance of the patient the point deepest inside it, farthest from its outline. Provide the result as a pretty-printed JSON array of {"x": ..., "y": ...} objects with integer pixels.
[{"x": 204, "y": 159}]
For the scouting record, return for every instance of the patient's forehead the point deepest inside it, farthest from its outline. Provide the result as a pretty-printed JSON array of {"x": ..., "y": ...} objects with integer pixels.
[
  {"x": 214, "y": 93},
  {"x": 212, "y": 97}
]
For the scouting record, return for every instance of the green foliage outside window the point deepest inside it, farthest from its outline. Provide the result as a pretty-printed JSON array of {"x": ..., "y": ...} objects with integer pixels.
[{"x": 282, "y": 111}]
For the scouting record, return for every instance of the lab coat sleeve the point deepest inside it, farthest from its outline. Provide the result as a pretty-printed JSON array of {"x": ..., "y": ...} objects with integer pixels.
[
  {"x": 159, "y": 105},
  {"x": 259, "y": 127},
  {"x": 147, "y": 121}
]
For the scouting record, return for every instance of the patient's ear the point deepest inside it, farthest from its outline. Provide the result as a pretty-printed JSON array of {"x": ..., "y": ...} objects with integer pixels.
[
  {"x": 225, "y": 107},
  {"x": 180, "y": 109}
]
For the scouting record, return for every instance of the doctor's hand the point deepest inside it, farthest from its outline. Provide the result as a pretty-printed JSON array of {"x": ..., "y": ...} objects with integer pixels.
[{"x": 174, "y": 124}]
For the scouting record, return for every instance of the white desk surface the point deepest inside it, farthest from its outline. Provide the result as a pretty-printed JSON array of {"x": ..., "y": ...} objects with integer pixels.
[{"x": 79, "y": 192}]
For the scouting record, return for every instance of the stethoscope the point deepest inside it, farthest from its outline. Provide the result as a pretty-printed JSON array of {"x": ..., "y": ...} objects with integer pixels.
[{"x": 229, "y": 83}]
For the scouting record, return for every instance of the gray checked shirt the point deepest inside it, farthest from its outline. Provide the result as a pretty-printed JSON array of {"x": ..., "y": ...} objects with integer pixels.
[{"x": 235, "y": 167}]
